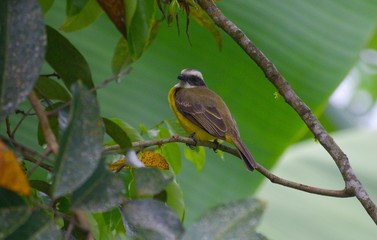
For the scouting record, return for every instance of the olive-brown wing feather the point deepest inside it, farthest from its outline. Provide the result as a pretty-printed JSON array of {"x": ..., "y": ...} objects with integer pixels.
[{"x": 201, "y": 109}]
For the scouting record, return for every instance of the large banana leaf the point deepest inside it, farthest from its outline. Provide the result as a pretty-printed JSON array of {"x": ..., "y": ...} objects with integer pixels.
[
  {"x": 295, "y": 215},
  {"x": 313, "y": 43}
]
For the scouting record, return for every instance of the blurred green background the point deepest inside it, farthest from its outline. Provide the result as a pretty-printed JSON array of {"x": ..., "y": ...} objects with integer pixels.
[{"x": 315, "y": 45}]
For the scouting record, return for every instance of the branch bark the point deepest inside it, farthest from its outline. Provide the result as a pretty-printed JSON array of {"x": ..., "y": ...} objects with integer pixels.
[
  {"x": 273, "y": 178},
  {"x": 352, "y": 183},
  {"x": 30, "y": 155},
  {"x": 46, "y": 129}
]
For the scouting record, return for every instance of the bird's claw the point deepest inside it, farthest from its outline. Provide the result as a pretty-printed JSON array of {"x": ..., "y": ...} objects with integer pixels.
[
  {"x": 217, "y": 146},
  {"x": 191, "y": 146}
]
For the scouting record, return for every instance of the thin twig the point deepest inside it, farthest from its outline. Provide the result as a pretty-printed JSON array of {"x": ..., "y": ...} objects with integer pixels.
[
  {"x": 344, "y": 193},
  {"x": 352, "y": 183},
  {"x": 19, "y": 111},
  {"x": 21, "y": 120},
  {"x": 273, "y": 178},
  {"x": 115, "y": 78},
  {"x": 38, "y": 163},
  {"x": 100, "y": 85},
  {"x": 29, "y": 154},
  {"x": 83, "y": 224},
  {"x": 67, "y": 234},
  {"x": 54, "y": 74},
  {"x": 9, "y": 131},
  {"x": 45, "y": 126}
]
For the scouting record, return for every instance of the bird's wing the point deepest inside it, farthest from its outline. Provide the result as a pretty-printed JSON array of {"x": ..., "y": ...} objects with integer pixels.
[{"x": 201, "y": 109}]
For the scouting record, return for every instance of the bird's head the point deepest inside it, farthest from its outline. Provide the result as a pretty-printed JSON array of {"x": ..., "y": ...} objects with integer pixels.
[{"x": 190, "y": 78}]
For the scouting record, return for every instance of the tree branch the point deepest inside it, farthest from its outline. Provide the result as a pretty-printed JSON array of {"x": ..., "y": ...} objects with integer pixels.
[
  {"x": 353, "y": 185},
  {"x": 29, "y": 154},
  {"x": 46, "y": 130},
  {"x": 273, "y": 178}
]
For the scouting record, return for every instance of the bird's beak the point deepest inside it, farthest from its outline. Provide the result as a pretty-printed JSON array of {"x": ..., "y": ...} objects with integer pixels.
[{"x": 180, "y": 77}]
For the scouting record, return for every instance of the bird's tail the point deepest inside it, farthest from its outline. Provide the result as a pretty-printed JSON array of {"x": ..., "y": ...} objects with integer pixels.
[{"x": 245, "y": 155}]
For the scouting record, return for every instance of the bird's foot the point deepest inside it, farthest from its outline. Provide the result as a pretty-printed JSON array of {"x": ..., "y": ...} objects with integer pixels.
[
  {"x": 191, "y": 146},
  {"x": 217, "y": 145}
]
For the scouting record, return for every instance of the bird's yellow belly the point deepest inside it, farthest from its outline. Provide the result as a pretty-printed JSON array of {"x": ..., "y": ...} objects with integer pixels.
[
  {"x": 189, "y": 126},
  {"x": 192, "y": 128}
]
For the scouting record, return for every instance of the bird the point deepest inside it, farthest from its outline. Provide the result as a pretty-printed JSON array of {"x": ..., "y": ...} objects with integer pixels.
[{"x": 204, "y": 115}]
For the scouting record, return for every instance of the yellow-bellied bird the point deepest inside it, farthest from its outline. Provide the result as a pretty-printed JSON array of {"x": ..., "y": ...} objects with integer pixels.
[{"x": 204, "y": 115}]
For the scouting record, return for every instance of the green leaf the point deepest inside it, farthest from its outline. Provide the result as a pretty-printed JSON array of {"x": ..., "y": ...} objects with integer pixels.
[
  {"x": 132, "y": 132},
  {"x": 306, "y": 162},
  {"x": 102, "y": 191},
  {"x": 175, "y": 199},
  {"x": 22, "y": 48},
  {"x": 45, "y": 5},
  {"x": 130, "y": 9},
  {"x": 13, "y": 211},
  {"x": 172, "y": 12},
  {"x": 373, "y": 41},
  {"x": 41, "y": 186},
  {"x": 155, "y": 28},
  {"x": 50, "y": 89},
  {"x": 81, "y": 144},
  {"x": 80, "y": 14},
  {"x": 116, "y": 132},
  {"x": 38, "y": 226},
  {"x": 140, "y": 27},
  {"x": 236, "y": 220},
  {"x": 314, "y": 46},
  {"x": 74, "y": 7},
  {"x": 365, "y": 74},
  {"x": 128, "y": 177},
  {"x": 201, "y": 17},
  {"x": 122, "y": 57},
  {"x": 141, "y": 30},
  {"x": 150, "y": 181},
  {"x": 95, "y": 227},
  {"x": 101, "y": 231},
  {"x": 197, "y": 156},
  {"x": 175, "y": 128},
  {"x": 150, "y": 219},
  {"x": 66, "y": 60},
  {"x": 170, "y": 152},
  {"x": 111, "y": 220},
  {"x": 63, "y": 205}
]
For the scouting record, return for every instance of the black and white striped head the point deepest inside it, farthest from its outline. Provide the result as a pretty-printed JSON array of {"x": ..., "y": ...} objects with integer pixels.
[{"x": 191, "y": 78}]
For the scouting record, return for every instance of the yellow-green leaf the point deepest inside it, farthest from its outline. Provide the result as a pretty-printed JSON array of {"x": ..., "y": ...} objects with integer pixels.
[
  {"x": 11, "y": 175},
  {"x": 205, "y": 21},
  {"x": 80, "y": 16}
]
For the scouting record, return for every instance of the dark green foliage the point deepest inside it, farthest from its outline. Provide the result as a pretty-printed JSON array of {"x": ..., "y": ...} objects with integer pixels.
[
  {"x": 313, "y": 47},
  {"x": 22, "y": 49}
]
